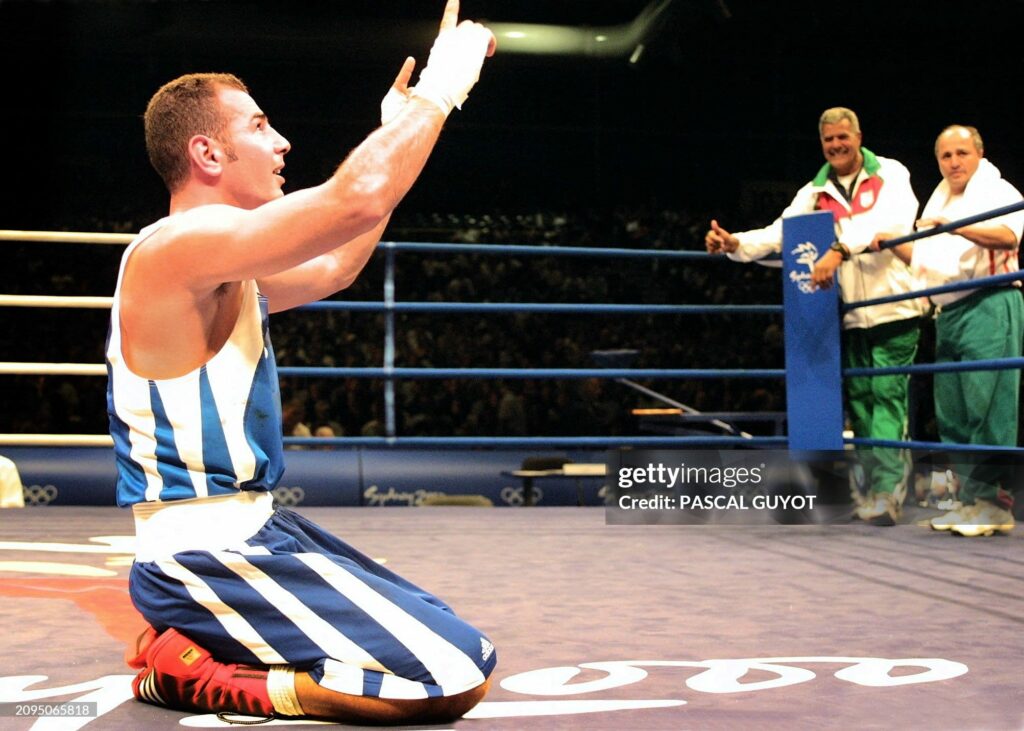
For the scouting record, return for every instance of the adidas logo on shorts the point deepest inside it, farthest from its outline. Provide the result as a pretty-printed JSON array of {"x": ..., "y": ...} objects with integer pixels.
[{"x": 486, "y": 649}]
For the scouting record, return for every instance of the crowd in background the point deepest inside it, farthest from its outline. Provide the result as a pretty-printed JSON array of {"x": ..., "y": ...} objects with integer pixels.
[{"x": 433, "y": 407}]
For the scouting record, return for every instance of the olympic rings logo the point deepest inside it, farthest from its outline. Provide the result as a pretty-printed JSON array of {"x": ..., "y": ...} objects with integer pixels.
[
  {"x": 40, "y": 494},
  {"x": 288, "y": 496},
  {"x": 514, "y": 495}
]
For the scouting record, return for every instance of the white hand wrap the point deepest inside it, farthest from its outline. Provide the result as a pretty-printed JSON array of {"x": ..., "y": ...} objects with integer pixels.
[
  {"x": 393, "y": 103},
  {"x": 454, "y": 65}
]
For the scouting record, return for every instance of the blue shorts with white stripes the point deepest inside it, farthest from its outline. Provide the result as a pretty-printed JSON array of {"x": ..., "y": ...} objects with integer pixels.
[{"x": 294, "y": 594}]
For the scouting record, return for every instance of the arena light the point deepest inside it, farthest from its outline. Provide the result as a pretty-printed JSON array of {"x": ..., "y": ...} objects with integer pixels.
[{"x": 626, "y": 40}]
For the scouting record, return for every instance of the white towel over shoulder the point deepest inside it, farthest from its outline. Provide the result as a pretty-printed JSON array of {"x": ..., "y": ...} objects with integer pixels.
[{"x": 947, "y": 257}]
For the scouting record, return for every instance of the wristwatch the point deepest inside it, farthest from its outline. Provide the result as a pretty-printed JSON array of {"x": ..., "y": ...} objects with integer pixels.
[{"x": 843, "y": 251}]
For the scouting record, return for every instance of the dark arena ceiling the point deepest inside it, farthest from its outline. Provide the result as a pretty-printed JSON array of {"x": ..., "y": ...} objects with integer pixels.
[{"x": 586, "y": 101}]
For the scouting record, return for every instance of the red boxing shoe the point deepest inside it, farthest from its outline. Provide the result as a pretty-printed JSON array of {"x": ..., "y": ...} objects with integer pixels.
[
  {"x": 178, "y": 673},
  {"x": 135, "y": 657}
]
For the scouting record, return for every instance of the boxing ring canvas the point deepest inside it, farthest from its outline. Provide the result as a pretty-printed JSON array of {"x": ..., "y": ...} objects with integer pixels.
[{"x": 596, "y": 626}]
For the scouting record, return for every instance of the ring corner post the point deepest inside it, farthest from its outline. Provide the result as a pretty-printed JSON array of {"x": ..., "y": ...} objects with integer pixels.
[{"x": 814, "y": 396}]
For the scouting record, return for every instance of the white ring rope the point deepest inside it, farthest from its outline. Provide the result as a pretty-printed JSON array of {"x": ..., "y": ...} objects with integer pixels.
[
  {"x": 69, "y": 369},
  {"x": 56, "y": 440},
  {"x": 39, "y": 300},
  {"x": 53, "y": 369},
  {"x": 65, "y": 237}
]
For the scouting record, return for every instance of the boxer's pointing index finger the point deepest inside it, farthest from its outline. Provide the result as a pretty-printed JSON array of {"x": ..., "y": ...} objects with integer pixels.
[{"x": 450, "y": 19}]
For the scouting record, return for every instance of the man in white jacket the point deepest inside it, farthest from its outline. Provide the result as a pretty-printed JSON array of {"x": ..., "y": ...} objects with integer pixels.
[
  {"x": 866, "y": 195},
  {"x": 973, "y": 407}
]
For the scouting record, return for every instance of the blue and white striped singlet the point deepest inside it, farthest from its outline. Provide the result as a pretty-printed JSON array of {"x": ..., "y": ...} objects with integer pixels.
[{"x": 214, "y": 431}]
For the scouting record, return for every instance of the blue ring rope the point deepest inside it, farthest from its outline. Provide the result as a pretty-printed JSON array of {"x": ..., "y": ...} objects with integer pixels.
[
  {"x": 993, "y": 364},
  {"x": 560, "y": 308},
  {"x": 532, "y": 442},
  {"x": 932, "y": 446},
  {"x": 546, "y": 373},
  {"x": 994, "y": 280},
  {"x": 952, "y": 225},
  {"x": 426, "y": 247}
]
